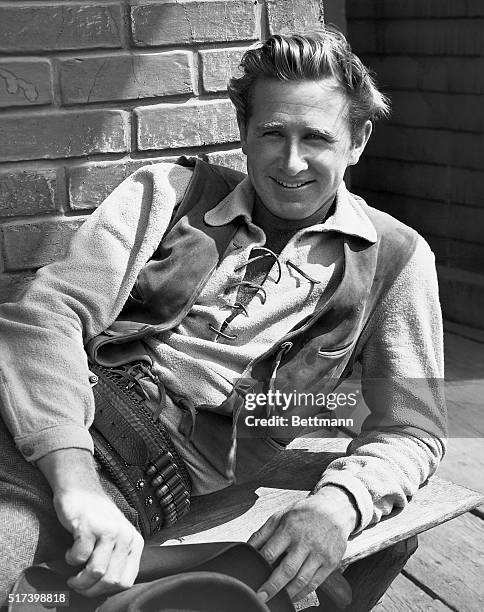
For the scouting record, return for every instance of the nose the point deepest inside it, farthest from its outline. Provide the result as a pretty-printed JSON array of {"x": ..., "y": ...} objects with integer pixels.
[{"x": 294, "y": 160}]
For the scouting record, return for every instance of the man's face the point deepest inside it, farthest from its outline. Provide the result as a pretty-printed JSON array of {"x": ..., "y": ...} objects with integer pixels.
[{"x": 298, "y": 144}]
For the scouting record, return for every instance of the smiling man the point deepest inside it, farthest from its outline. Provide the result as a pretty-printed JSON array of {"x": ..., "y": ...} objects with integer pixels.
[
  {"x": 190, "y": 279},
  {"x": 298, "y": 143}
]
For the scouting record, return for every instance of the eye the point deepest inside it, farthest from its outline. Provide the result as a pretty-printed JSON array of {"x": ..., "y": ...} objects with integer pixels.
[
  {"x": 273, "y": 133},
  {"x": 316, "y": 137}
]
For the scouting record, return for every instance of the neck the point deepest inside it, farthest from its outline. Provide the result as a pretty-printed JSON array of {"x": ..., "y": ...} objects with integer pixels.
[{"x": 264, "y": 218}]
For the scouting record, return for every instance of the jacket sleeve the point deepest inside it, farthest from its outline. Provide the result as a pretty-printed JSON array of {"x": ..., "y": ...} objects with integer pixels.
[
  {"x": 45, "y": 396},
  {"x": 403, "y": 439}
]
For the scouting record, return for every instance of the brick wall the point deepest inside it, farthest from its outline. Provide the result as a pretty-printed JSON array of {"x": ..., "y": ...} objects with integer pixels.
[
  {"x": 426, "y": 165},
  {"x": 92, "y": 90}
]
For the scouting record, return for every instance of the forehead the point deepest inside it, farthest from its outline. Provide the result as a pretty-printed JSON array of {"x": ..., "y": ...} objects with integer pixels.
[{"x": 321, "y": 103}]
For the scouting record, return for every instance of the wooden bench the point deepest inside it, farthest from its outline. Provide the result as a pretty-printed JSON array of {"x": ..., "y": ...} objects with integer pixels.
[{"x": 233, "y": 514}]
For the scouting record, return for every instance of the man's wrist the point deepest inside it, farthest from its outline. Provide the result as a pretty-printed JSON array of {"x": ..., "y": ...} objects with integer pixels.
[
  {"x": 70, "y": 468},
  {"x": 342, "y": 505}
]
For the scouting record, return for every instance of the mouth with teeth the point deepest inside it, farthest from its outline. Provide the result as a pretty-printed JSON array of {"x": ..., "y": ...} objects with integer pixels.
[{"x": 291, "y": 185}]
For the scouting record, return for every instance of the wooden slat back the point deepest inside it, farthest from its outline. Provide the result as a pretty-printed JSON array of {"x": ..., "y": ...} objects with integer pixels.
[{"x": 235, "y": 513}]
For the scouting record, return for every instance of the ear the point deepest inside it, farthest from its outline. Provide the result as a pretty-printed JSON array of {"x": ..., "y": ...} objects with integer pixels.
[
  {"x": 243, "y": 133},
  {"x": 359, "y": 142}
]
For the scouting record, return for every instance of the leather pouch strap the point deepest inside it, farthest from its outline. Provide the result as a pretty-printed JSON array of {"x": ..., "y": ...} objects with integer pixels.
[{"x": 136, "y": 450}]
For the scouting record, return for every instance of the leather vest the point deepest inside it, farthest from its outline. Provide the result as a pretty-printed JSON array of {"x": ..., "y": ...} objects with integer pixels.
[{"x": 321, "y": 348}]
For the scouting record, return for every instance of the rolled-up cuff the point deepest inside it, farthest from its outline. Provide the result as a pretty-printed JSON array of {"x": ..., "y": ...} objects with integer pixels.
[
  {"x": 357, "y": 490},
  {"x": 35, "y": 446}
]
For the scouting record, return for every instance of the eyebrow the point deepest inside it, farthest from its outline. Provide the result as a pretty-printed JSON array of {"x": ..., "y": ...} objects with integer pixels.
[{"x": 276, "y": 125}]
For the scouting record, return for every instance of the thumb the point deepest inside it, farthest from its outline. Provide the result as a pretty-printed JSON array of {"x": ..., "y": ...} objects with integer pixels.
[{"x": 81, "y": 549}]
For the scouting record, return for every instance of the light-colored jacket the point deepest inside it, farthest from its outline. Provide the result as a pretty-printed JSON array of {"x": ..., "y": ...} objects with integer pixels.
[{"x": 44, "y": 387}]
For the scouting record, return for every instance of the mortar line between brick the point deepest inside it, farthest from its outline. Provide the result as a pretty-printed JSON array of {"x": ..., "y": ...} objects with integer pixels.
[
  {"x": 14, "y": 54},
  {"x": 114, "y": 105},
  {"x": 33, "y": 3},
  {"x": 100, "y": 158},
  {"x": 197, "y": 72},
  {"x": 134, "y": 127},
  {"x": 264, "y": 21},
  {"x": 187, "y": 19},
  {"x": 126, "y": 25},
  {"x": 47, "y": 218},
  {"x": 12, "y": 165},
  {"x": 62, "y": 192},
  {"x": 55, "y": 81}
]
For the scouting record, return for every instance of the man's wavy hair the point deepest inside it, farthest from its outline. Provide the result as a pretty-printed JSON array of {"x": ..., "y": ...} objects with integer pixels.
[{"x": 310, "y": 57}]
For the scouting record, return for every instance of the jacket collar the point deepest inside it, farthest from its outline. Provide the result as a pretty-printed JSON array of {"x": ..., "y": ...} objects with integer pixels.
[{"x": 348, "y": 218}]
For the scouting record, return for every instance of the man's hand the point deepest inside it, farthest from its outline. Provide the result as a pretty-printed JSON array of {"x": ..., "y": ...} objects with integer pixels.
[
  {"x": 105, "y": 542},
  {"x": 307, "y": 540}
]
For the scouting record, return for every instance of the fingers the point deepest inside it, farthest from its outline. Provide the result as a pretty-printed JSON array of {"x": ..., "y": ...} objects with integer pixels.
[
  {"x": 96, "y": 566},
  {"x": 275, "y": 546},
  {"x": 300, "y": 571},
  {"x": 307, "y": 543},
  {"x": 287, "y": 570},
  {"x": 307, "y": 579},
  {"x": 260, "y": 537},
  {"x": 112, "y": 566},
  {"x": 335, "y": 586},
  {"x": 105, "y": 542},
  {"x": 81, "y": 549}
]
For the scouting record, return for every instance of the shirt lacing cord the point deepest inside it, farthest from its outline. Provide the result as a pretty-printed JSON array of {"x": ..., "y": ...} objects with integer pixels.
[
  {"x": 241, "y": 392},
  {"x": 258, "y": 286},
  {"x": 133, "y": 374},
  {"x": 289, "y": 264},
  {"x": 238, "y": 306},
  {"x": 268, "y": 253}
]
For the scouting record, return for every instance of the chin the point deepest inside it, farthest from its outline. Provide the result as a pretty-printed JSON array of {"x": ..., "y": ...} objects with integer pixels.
[{"x": 293, "y": 212}]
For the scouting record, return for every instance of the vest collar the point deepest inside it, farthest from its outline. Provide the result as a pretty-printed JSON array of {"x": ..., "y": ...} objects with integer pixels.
[
  {"x": 238, "y": 203},
  {"x": 349, "y": 217}
]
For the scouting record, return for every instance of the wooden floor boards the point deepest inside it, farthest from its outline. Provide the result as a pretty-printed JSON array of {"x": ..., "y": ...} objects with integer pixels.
[{"x": 447, "y": 571}]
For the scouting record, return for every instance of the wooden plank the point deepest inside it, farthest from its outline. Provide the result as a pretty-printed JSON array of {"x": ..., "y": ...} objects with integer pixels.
[
  {"x": 235, "y": 513},
  {"x": 450, "y": 563},
  {"x": 476, "y": 336},
  {"x": 461, "y": 37},
  {"x": 464, "y": 255},
  {"x": 464, "y": 358},
  {"x": 441, "y": 147},
  {"x": 404, "y": 9},
  {"x": 427, "y": 73},
  {"x": 464, "y": 461},
  {"x": 404, "y": 595},
  {"x": 423, "y": 181},
  {"x": 464, "y": 403},
  {"x": 437, "y": 502},
  {"x": 461, "y": 296},
  {"x": 437, "y": 110},
  {"x": 335, "y": 12},
  {"x": 444, "y": 219}
]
